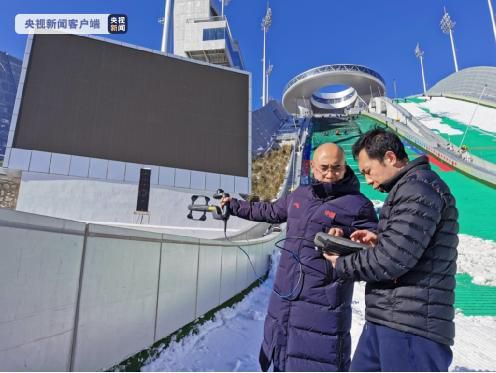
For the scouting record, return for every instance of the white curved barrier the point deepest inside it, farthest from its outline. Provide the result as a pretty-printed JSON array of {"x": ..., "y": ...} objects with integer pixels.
[{"x": 82, "y": 297}]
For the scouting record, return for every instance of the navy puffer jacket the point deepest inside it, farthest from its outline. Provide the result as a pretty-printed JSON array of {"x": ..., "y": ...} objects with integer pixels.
[
  {"x": 410, "y": 273},
  {"x": 307, "y": 327}
]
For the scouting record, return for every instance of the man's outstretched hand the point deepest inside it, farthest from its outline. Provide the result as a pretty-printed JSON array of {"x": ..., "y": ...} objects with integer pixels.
[{"x": 364, "y": 236}]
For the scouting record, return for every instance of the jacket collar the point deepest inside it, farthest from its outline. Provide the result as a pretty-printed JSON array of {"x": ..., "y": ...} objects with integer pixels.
[
  {"x": 348, "y": 185},
  {"x": 421, "y": 163}
]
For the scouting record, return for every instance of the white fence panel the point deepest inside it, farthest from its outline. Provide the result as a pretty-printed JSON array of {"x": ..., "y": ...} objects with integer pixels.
[
  {"x": 177, "y": 289},
  {"x": 39, "y": 276},
  {"x": 228, "y": 282},
  {"x": 118, "y": 296},
  {"x": 209, "y": 269}
]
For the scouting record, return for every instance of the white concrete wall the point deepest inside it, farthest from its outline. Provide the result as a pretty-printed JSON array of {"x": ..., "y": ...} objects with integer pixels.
[
  {"x": 56, "y": 165},
  {"x": 184, "y": 10},
  {"x": 88, "y": 200},
  {"x": 85, "y": 297}
]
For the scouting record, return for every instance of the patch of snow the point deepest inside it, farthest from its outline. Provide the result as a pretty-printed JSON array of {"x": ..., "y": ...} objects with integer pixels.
[
  {"x": 429, "y": 121},
  {"x": 477, "y": 257},
  {"x": 462, "y": 111}
]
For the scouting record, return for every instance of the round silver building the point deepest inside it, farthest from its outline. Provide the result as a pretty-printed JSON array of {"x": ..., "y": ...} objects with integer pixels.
[{"x": 303, "y": 94}]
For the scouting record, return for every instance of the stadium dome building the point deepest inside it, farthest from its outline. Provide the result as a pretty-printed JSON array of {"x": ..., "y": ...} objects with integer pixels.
[{"x": 472, "y": 83}]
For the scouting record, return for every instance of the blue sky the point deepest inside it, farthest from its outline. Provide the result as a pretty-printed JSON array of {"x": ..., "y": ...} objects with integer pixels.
[{"x": 380, "y": 34}]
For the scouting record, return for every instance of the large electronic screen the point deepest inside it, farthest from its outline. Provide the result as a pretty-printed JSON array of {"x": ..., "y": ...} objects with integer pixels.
[{"x": 89, "y": 97}]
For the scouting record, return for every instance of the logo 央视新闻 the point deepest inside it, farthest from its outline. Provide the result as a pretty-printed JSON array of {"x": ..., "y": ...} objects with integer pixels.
[{"x": 117, "y": 24}]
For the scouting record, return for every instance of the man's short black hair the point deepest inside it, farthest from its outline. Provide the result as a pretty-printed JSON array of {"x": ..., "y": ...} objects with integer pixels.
[{"x": 377, "y": 142}]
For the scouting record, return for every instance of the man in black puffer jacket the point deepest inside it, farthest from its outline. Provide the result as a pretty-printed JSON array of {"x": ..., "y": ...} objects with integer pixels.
[{"x": 410, "y": 270}]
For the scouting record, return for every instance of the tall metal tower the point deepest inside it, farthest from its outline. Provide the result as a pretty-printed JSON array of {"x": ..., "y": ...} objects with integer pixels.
[
  {"x": 447, "y": 26},
  {"x": 492, "y": 17},
  {"x": 266, "y": 22},
  {"x": 419, "y": 53}
]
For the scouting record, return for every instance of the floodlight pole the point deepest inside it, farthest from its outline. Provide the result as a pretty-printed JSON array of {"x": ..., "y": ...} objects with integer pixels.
[
  {"x": 394, "y": 86},
  {"x": 492, "y": 17},
  {"x": 419, "y": 53},
  {"x": 267, "y": 74},
  {"x": 266, "y": 22},
  {"x": 166, "y": 22},
  {"x": 447, "y": 26},
  {"x": 224, "y": 3}
]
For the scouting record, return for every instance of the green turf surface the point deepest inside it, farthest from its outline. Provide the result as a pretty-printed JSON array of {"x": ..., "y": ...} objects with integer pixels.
[{"x": 472, "y": 299}]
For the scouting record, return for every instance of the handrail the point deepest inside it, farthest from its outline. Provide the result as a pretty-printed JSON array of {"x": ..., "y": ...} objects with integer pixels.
[
  {"x": 472, "y": 99},
  {"x": 206, "y": 19}
]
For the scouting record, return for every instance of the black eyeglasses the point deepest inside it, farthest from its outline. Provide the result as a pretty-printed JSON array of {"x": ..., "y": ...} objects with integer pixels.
[{"x": 333, "y": 169}]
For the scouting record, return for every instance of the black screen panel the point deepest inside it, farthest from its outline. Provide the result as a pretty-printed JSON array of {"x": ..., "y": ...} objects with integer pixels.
[{"x": 97, "y": 99}]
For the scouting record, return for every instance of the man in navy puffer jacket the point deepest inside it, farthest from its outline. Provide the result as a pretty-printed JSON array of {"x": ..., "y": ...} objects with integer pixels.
[{"x": 308, "y": 322}]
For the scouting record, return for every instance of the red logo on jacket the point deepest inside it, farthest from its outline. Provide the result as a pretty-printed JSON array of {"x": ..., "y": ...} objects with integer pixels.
[
  {"x": 297, "y": 205},
  {"x": 330, "y": 214}
]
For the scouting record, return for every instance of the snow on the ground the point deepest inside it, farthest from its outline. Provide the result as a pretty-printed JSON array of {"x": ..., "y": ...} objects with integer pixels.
[
  {"x": 231, "y": 341},
  {"x": 475, "y": 343},
  {"x": 228, "y": 342},
  {"x": 458, "y": 110},
  {"x": 477, "y": 257},
  {"x": 462, "y": 111},
  {"x": 430, "y": 121}
]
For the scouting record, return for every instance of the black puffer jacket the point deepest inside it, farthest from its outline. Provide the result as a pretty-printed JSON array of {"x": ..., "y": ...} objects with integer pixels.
[{"x": 410, "y": 273}]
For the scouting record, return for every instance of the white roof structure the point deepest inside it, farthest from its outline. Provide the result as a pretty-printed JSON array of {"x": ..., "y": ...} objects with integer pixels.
[
  {"x": 469, "y": 83},
  {"x": 301, "y": 93}
]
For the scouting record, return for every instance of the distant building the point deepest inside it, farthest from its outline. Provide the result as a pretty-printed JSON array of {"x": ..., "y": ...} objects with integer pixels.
[
  {"x": 10, "y": 70},
  {"x": 202, "y": 33}
]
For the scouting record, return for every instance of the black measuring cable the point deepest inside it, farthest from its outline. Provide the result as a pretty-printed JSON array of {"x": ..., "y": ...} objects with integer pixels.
[{"x": 259, "y": 278}]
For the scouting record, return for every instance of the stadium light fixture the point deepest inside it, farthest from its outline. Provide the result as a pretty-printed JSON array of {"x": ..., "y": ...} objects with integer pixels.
[
  {"x": 419, "y": 53},
  {"x": 447, "y": 26}
]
